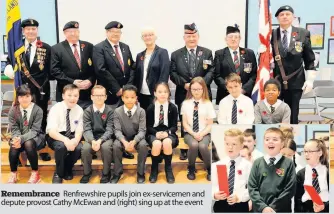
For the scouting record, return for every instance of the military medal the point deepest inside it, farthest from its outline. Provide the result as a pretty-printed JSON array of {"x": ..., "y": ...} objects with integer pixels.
[
  {"x": 298, "y": 46},
  {"x": 247, "y": 67},
  {"x": 129, "y": 62},
  {"x": 205, "y": 66},
  {"x": 41, "y": 66},
  {"x": 89, "y": 62}
]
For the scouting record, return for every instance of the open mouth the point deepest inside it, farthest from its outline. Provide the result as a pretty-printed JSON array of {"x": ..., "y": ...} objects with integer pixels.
[{"x": 271, "y": 147}]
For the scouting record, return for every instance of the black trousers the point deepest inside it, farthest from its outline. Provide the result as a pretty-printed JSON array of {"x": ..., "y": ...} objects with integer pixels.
[
  {"x": 292, "y": 98},
  {"x": 223, "y": 207},
  {"x": 30, "y": 148},
  {"x": 308, "y": 207},
  {"x": 65, "y": 160},
  {"x": 145, "y": 100}
]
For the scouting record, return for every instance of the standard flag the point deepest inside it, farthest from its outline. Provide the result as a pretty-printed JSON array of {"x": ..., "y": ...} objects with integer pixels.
[
  {"x": 14, "y": 38},
  {"x": 264, "y": 71}
]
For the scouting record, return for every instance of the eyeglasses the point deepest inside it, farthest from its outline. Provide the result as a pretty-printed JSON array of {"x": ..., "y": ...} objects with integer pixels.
[
  {"x": 147, "y": 35},
  {"x": 308, "y": 152},
  {"x": 99, "y": 96},
  {"x": 197, "y": 89}
]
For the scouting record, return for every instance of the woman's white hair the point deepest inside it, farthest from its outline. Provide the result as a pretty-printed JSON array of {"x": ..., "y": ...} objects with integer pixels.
[{"x": 148, "y": 29}]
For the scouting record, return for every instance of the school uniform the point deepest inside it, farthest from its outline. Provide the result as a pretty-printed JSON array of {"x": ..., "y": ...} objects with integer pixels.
[
  {"x": 65, "y": 160},
  {"x": 130, "y": 126},
  {"x": 238, "y": 171},
  {"x": 238, "y": 110},
  {"x": 97, "y": 124},
  {"x": 270, "y": 114},
  {"x": 272, "y": 184},
  {"x": 318, "y": 177},
  {"x": 26, "y": 124},
  {"x": 205, "y": 111}
]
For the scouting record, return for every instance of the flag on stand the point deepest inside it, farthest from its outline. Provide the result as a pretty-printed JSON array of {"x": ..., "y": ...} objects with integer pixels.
[
  {"x": 264, "y": 71},
  {"x": 14, "y": 38}
]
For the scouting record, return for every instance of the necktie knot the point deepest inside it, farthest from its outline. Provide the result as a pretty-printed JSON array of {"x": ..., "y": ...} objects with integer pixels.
[
  {"x": 68, "y": 110},
  {"x": 232, "y": 162},
  {"x": 285, "y": 32},
  {"x": 25, "y": 111},
  {"x": 196, "y": 103},
  {"x": 315, "y": 172},
  {"x": 235, "y": 52},
  {"x": 235, "y": 101},
  {"x": 74, "y": 45},
  {"x": 272, "y": 109},
  {"x": 161, "y": 107},
  {"x": 115, "y": 46},
  {"x": 192, "y": 50},
  {"x": 97, "y": 112},
  {"x": 272, "y": 160},
  {"x": 129, "y": 113}
]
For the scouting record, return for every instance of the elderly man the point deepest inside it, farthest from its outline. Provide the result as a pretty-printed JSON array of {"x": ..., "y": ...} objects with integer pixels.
[
  {"x": 234, "y": 59},
  {"x": 187, "y": 63},
  {"x": 152, "y": 66},
  {"x": 293, "y": 55},
  {"x": 71, "y": 62}
]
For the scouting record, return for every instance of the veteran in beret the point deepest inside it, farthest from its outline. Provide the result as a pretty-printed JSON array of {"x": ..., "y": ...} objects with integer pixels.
[
  {"x": 293, "y": 55},
  {"x": 113, "y": 63},
  {"x": 234, "y": 59},
  {"x": 187, "y": 63},
  {"x": 72, "y": 62}
]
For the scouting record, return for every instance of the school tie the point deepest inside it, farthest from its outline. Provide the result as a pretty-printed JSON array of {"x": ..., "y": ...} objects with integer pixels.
[
  {"x": 272, "y": 161},
  {"x": 28, "y": 52},
  {"x": 231, "y": 177},
  {"x": 129, "y": 114},
  {"x": 98, "y": 112},
  {"x": 119, "y": 57},
  {"x": 25, "y": 122},
  {"x": 315, "y": 182},
  {"x": 68, "y": 124},
  {"x": 192, "y": 61},
  {"x": 236, "y": 61},
  {"x": 195, "y": 117},
  {"x": 285, "y": 41},
  {"x": 76, "y": 55},
  {"x": 272, "y": 109},
  {"x": 161, "y": 115},
  {"x": 234, "y": 112}
]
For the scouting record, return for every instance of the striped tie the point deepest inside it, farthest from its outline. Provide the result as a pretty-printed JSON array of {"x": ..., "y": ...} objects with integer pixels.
[
  {"x": 195, "y": 117},
  {"x": 285, "y": 41},
  {"x": 236, "y": 61},
  {"x": 272, "y": 161},
  {"x": 192, "y": 61},
  {"x": 119, "y": 57},
  {"x": 68, "y": 124},
  {"x": 76, "y": 55},
  {"x": 272, "y": 109},
  {"x": 234, "y": 112},
  {"x": 231, "y": 177},
  {"x": 28, "y": 52},
  {"x": 25, "y": 122},
  {"x": 315, "y": 182},
  {"x": 161, "y": 115},
  {"x": 129, "y": 114}
]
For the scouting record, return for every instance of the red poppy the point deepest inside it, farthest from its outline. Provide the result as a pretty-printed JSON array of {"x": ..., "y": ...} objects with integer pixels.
[
  {"x": 294, "y": 34},
  {"x": 314, "y": 175},
  {"x": 25, "y": 123},
  {"x": 240, "y": 111},
  {"x": 264, "y": 113},
  {"x": 200, "y": 53},
  {"x": 39, "y": 44},
  {"x": 82, "y": 46},
  {"x": 142, "y": 58},
  {"x": 242, "y": 52},
  {"x": 103, "y": 116},
  {"x": 239, "y": 172}
]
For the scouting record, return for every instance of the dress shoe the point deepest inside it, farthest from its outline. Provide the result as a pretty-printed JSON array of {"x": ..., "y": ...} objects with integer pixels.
[
  {"x": 68, "y": 175},
  {"x": 140, "y": 178},
  {"x": 85, "y": 178},
  {"x": 105, "y": 178},
  {"x": 169, "y": 175},
  {"x": 191, "y": 173},
  {"x": 116, "y": 178},
  {"x": 154, "y": 174},
  {"x": 183, "y": 154},
  {"x": 128, "y": 155},
  {"x": 45, "y": 156},
  {"x": 56, "y": 179}
]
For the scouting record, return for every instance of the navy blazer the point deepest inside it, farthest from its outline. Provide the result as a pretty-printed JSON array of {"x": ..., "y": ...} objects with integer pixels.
[{"x": 157, "y": 71}]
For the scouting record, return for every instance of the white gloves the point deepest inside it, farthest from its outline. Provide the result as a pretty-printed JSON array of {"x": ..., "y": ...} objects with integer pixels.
[
  {"x": 308, "y": 84},
  {"x": 9, "y": 72}
]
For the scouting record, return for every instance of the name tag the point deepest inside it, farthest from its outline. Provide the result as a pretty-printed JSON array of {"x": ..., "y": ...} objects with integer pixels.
[{"x": 208, "y": 62}]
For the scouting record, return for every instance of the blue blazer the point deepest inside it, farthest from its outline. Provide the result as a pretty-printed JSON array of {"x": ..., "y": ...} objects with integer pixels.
[{"x": 158, "y": 69}]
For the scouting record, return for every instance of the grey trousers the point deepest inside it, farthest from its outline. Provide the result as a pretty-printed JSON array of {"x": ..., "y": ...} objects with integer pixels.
[
  {"x": 87, "y": 156},
  {"x": 118, "y": 149},
  {"x": 202, "y": 147}
]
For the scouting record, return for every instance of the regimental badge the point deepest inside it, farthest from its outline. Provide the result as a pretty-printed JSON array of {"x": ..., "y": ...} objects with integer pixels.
[
  {"x": 89, "y": 62},
  {"x": 129, "y": 62},
  {"x": 31, "y": 21},
  {"x": 299, "y": 46},
  {"x": 41, "y": 66},
  {"x": 119, "y": 25},
  {"x": 205, "y": 66},
  {"x": 76, "y": 25}
]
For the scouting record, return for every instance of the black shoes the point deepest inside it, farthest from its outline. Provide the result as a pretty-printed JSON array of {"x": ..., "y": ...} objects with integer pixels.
[
  {"x": 140, "y": 178},
  {"x": 183, "y": 154},
  {"x": 85, "y": 178},
  {"x": 191, "y": 173},
  {"x": 169, "y": 175},
  {"x": 116, "y": 178},
  {"x": 56, "y": 179},
  {"x": 45, "y": 156},
  {"x": 68, "y": 175},
  {"x": 128, "y": 155},
  {"x": 105, "y": 178}
]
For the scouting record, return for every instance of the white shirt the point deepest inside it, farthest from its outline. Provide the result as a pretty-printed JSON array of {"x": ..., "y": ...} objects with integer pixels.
[
  {"x": 32, "y": 49},
  {"x": 322, "y": 179},
  {"x": 256, "y": 154},
  {"x": 242, "y": 171},
  {"x": 278, "y": 103},
  {"x": 29, "y": 109},
  {"x": 76, "y": 47},
  {"x": 118, "y": 48},
  {"x": 157, "y": 113},
  {"x": 277, "y": 158},
  {"x": 133, "y": 110},
  {"x": 232, "y": 54},
  {"x": 144, "y": 87},
  {"x": 245, "y": 110},
  {"x": 288, "y": 34},
  {"x": 206, "y": 111},
  {"x": 57, "y": 118},
  {"x": 101, "y": 110}
]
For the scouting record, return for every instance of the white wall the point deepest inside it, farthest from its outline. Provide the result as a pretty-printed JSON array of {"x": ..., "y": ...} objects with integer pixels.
[{"x": 167, "y": 17}]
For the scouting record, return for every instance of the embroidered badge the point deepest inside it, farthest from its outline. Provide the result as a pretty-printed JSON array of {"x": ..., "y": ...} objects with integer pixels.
[{"x": 280, "y": 172}]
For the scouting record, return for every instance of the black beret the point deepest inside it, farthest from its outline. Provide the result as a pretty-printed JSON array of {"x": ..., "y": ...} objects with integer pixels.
[
  {"x": 232, "y": 29},
  {"x": 113, "y": 24},
  {"x": 71, "y": 24},
  {"x": 29, "y": 23},
  {"x": 191, "y": 27},
  {"x": 285, "y": 7}
]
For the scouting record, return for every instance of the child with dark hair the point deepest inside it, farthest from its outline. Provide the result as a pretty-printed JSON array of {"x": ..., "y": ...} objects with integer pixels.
[
  {"x": 289, "y": 151},
  {"x": 271, "y": 110}
]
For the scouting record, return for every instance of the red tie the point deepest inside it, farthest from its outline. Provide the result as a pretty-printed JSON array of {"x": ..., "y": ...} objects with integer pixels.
[
  {"x": 119, "y": 57},
  {"x": 76, "y": 55}
]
